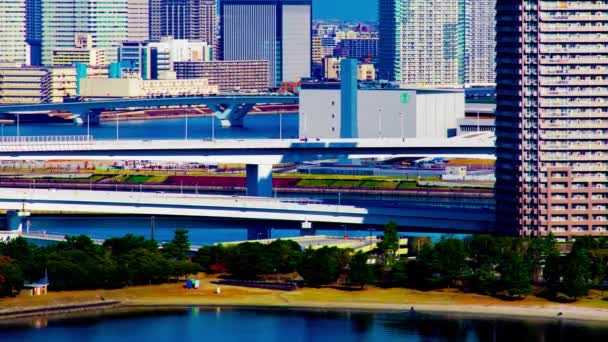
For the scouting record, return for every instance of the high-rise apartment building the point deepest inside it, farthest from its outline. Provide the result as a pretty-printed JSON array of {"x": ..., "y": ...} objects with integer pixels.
[
  {"x": 277, "y": 31},
  {"x": 422, "y": 42},
  {"x": 480, "y": 42},
  {"x": 552, "y": 117},
  {"x": 63, "y": 21},
  {"x": 184, "y": 19},
  {"x": 138, "y": 13},
  {"x": 13, "y": 23}
]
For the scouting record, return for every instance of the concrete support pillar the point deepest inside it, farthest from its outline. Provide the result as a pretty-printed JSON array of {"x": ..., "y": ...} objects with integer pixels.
[
  {"x": 259, "y": 180},
  {"x": 15, "y": 220},
  {"x": 307, "y": 229},
  {"x": 92, "y": 116},
  {"x": 257, "y": 233},
  {"x": 232, "y": 115}
]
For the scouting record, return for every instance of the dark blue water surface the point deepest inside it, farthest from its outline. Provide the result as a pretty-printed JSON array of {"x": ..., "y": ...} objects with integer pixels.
[
  {"x": 255, "y": 127},
  {"x": 228, "y": 325}
]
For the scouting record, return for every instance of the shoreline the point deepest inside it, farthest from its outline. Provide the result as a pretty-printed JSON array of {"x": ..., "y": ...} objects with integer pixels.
[{"x": 373, "y": 299}]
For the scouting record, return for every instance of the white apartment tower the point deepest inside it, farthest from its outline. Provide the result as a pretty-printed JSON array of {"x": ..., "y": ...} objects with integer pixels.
[
  {"x": 106, "y": 21},
  {"x": 422, "y": 42},
  {"x": 480, "y": 43},
  {"x": 13, "y": 45}
]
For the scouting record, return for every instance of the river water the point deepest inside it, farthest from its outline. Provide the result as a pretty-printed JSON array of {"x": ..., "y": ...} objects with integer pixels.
[
  {"x": 281, "y": 325},
  {"x": 263, "y": 126}
]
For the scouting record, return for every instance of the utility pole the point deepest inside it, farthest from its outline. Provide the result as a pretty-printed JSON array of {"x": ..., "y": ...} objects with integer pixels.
[{"x": 152, "y": 224}]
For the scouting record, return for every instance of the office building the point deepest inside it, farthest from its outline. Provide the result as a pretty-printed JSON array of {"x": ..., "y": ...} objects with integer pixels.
[
  {"x": 184, "y": 19},
  {"x": 138, "y": 24},
  {"x": 332, "y": 70},
  {"x": 34, "y": 30},
  {"x": 104, "y": 88},
  {"x": 24, "y": 85},
  {"x": 277, "y": 31},
  {"x": 154, "y": 60},
  {"x": 359, "y": 48},
  {"x": 249, "y": 76},
  {"x": 13, "y": 36},
  {"x": 381, "y": 113},
  {"x": 63, "y": 21},
  {"x": 64, "y": 82},
  {"x": 88, "y": 56},
  {"x": 480, "y": 43},
  {"x": 552, "y": 117},
  {"x": 422, "y": 42}
]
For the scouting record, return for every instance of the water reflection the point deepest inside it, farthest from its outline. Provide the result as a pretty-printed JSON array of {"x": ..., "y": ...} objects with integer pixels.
[{"x": 269, "y": 325}]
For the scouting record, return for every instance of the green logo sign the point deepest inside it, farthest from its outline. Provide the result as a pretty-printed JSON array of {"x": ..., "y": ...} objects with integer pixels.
[{"x": 405, "y": 98}]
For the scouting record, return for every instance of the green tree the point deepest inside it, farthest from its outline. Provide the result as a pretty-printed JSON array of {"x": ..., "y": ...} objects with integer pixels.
[
  {"x": 537, "y": 254},
  {"x": 179, "y": 247},
  {"x": 210, "y": 258},
  {"x": 123, "y": 245},
  {"x": 390, "y": 243},
  {"x": 515, "y": 276},
  {"x": 359, "y": 271},
  {"x": 285, "y": 255},
  {"x": 450, "y": 260},
  {"x": 250, "y": 260},
  {"x": 399, "y": 273},
  {"x": 321, "y": 266},
  {"x": 11, "y": 277},
  {"x": 577, "y": 273}
]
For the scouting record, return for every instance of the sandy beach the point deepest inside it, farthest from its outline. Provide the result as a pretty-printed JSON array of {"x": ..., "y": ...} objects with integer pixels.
[{"x": 445, "y": 301}]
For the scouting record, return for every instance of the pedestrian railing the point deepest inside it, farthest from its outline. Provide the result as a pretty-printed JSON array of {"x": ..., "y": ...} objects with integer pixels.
[{"x": 45, "y": 143}]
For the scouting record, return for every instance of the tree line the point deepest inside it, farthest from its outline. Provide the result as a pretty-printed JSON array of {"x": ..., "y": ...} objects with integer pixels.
[
  {"x": 79, "y": 264},
  {"x": 507, "y": 267}
]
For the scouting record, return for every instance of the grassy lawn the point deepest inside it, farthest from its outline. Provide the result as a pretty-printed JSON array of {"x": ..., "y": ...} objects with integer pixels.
[
  {"x": 380, "y": 184},
  {"x": 408, "y": 185},
  {"x": 346, "y": 184},
  {"x": 371, "y": 297},
  {"x": 315, "y": 183}
]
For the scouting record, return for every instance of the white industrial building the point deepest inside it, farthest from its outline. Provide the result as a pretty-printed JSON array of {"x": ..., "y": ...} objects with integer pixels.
[{"x": 383, "y": 113}]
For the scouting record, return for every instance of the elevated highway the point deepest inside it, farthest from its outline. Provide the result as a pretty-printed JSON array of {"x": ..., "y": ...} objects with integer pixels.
[
  {"x": 457, "y": 220},
  {"x": 254, "y": 151},
  {"x": 259, "y": 154},
  {"x": 230, "y": 109}
]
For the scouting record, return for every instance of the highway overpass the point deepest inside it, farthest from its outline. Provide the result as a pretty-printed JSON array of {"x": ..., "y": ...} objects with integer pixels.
[
  {"x": 252, "y": 151},
  {"x": 229, "y": 109},
  {"x": 457, "y": 220},
  {"x": 258, "y": 154}
]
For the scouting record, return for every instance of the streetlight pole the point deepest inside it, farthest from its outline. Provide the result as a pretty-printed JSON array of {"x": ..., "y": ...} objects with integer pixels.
[
  {"x": 281, "y": 124},
  {"x": 380, "y": 123},
  {"x": 402, "y": 128},
  {"x": 18, "y": 128},
  {"x": 88, "y": 127},
  {"x": 186, "y": 125},
  {"x": 213, "y": 127},
  {"x": 117, "y": 126}
]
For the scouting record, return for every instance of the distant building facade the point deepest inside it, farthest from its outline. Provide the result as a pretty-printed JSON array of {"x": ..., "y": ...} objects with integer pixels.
[
  {"x": 422, "y": 42},
  {"x": 100, "y": 88},
  {"x": 382, "y": 113},
  {"x": 24, "y": 85},
  {"x": 106, "y": 21},
  {"x": 184, "y": 19},
  {"x": 359, "y": 48},
  {"x": 480, "y": 43},
  {"x": 277, "y": 31},
  {"x": 13, "y": 32},
  {"x": 228, "y": 75}
]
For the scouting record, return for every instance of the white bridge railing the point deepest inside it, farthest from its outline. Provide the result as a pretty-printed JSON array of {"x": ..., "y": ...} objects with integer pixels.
[{"x": 45, "y": 143}]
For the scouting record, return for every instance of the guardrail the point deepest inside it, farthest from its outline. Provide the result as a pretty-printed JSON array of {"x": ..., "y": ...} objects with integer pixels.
[{"x": 45, "y": 142}]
